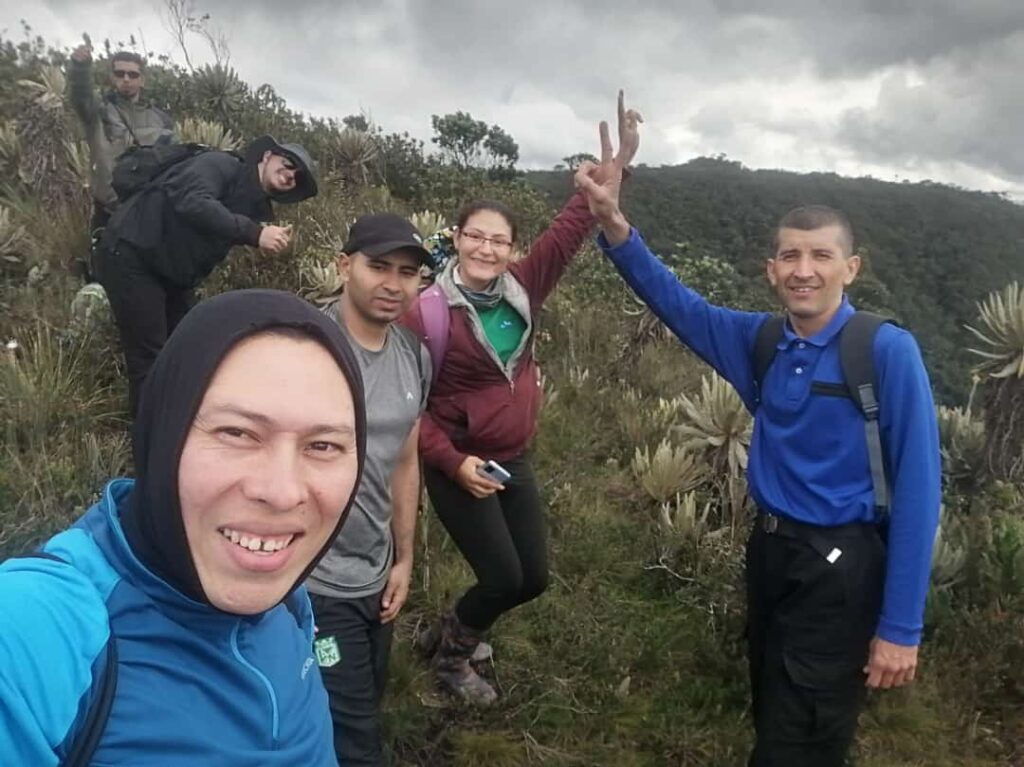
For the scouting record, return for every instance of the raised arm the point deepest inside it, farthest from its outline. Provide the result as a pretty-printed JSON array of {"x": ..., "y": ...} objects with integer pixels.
[
  {"x": 551, "y": 253},
  {"x": 724, "y": 338},
  {"x": 84, "y": 99}
]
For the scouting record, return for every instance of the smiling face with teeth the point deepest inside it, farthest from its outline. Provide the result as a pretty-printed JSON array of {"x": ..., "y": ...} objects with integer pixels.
[
  {"x": 267, "y": 469},
  {"x": 484, "y": 244},
  {"x": 809, "y": 271}
]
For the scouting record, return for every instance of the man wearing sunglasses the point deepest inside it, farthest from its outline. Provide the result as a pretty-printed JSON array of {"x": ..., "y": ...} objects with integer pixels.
[
  {"x": 165, "y": 239},
  {"x": 113, "y": 121}
]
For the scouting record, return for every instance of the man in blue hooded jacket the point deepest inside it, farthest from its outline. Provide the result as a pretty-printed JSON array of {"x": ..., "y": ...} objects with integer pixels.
[{"x": 184, "y": 586}]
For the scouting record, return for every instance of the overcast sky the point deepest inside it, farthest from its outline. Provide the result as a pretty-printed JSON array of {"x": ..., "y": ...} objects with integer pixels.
[{"x": 896, "y": 89}]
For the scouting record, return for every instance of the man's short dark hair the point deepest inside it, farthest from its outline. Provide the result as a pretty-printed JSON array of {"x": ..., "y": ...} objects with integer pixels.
[
  {"x": 808, "y": 217},
  {"x": 128, "y": 56}
]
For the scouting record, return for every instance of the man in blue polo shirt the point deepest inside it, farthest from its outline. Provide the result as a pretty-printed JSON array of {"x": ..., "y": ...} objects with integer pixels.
[{"x": 832, "y": 608}]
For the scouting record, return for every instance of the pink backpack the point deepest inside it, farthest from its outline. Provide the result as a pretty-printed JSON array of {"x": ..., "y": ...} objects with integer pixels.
[{"x": 437, "y": 321}]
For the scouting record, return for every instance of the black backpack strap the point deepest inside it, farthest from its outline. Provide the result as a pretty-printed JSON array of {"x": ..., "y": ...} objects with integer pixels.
[
  {"x": 857, "y": 357},
  {"x": 124, "y": 120},
  {"x": 765, "y": 346},
  {"x": 88, "y": 738}
]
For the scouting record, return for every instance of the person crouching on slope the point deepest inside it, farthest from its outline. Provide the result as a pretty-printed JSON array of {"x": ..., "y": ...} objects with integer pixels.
[{"x": 163, "y": 241}]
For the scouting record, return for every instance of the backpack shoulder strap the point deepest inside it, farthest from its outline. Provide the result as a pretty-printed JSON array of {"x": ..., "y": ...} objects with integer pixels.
[
  {"x": 857, "y": 358},
  {"x": 88, "y": 739},
  {"x": 84, "y": 745},
  {"x": 124, "y": 120},
  {"x": 765, "y": 346},
  {"x": 437, "y": 320}
]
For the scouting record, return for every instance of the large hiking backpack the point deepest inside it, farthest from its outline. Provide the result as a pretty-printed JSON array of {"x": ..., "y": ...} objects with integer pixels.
[
  {"x": 856, "y": 357},
  {"x": 138, "y": 165},
  {"x": 88, "y": 738}
]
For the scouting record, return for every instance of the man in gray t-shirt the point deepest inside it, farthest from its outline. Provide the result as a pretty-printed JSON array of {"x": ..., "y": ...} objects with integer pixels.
[{"x": 362, "y": 583}]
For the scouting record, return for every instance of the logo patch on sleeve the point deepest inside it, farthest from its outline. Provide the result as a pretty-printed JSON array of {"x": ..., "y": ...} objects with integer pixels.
[{"x": 327, "y": 652}]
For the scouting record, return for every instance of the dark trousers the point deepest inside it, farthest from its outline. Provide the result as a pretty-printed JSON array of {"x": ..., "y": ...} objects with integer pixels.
[
  {"x": 146, "y": 310},
  {"x": 355, "y": 685},
  {"x": 85, "y": 266},
  {"x": 503, "y": 537},
  {"x": 810, "y": 623}
]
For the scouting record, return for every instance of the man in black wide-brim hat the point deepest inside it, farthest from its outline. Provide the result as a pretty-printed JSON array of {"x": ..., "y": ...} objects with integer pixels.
[{"x": 165, "y": 239}]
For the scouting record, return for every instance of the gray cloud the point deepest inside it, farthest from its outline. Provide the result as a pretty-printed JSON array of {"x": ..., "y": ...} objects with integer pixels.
[
  {"x": 964, "y": 108},
  {"x": 916, "y": 88}
]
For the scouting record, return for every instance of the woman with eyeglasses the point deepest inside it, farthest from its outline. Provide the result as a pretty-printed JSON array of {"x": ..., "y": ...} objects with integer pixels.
[{"x": 483, "y": 409}]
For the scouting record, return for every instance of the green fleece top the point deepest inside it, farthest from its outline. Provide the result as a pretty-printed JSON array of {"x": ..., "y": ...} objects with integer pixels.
[{"x": 504, "y": 329}]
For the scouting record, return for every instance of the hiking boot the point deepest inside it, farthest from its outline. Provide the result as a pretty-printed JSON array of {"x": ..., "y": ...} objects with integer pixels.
[
  {"x": 428, "y": 640},
  {"x": 455, "y": 648}
]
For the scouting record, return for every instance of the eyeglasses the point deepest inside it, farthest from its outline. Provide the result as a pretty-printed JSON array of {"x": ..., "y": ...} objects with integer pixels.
[
  {"x": 129, "y": 74},
  {"x": 287, "y": 164},
  {"x": 499, "y": 244}
]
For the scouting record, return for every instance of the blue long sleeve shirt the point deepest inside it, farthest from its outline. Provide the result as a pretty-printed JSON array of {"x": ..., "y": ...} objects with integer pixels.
[{"x": 808, "y": 453}]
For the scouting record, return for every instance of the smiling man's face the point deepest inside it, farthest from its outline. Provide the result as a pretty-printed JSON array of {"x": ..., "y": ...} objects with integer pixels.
[
  {"x": 809, "y": 271},
  {"x": 267, "y": 469}
]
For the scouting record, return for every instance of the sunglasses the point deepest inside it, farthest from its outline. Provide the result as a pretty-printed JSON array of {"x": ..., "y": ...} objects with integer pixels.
[{"x": 130, "y": 74}]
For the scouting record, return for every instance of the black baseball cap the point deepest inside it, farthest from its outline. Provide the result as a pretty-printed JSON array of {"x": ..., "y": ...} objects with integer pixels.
[{"x": 378, "y": 233}]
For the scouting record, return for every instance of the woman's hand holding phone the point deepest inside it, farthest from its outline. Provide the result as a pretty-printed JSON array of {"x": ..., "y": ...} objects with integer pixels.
[{"x": 474, "y": 483}]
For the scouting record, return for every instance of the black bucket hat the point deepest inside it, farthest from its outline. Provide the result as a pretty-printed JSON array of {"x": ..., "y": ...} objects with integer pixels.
[{"x": 305, "y": 179}]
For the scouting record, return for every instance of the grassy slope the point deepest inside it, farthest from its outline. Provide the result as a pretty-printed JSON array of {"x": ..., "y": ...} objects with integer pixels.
[{"x": 621, "y": 662}]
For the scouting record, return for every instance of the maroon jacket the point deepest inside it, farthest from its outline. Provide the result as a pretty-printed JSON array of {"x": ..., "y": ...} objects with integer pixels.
[{"x": 478, "y": 406}]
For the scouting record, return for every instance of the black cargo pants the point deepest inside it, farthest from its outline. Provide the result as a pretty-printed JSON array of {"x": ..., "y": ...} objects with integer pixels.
[{"x": 813, "y": 598}]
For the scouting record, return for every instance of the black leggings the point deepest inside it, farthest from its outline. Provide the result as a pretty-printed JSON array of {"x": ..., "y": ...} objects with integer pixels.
[{"x": 502, "y": 537}]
